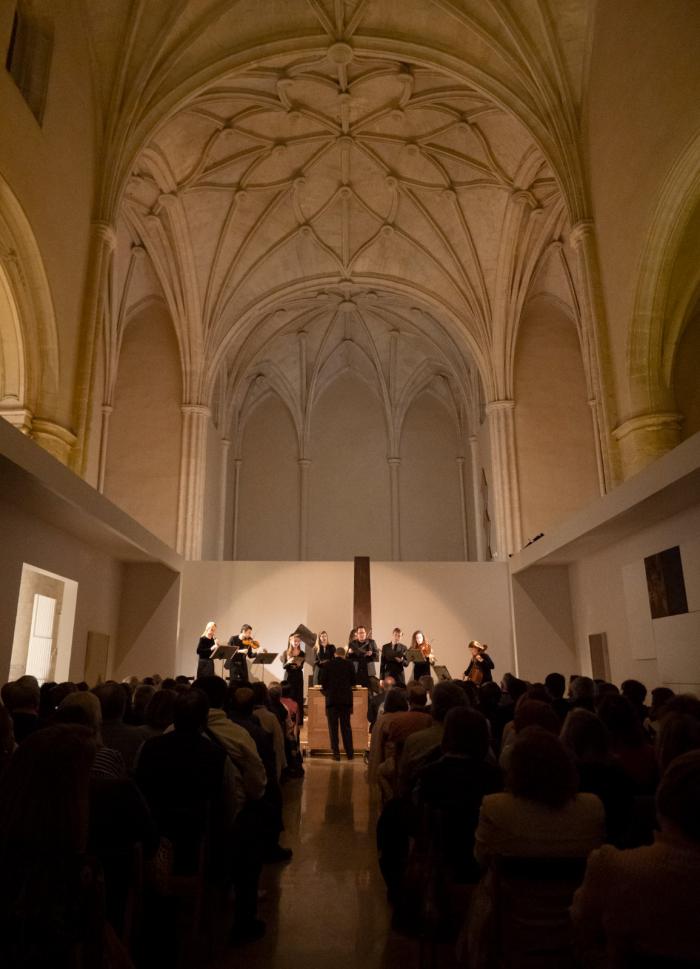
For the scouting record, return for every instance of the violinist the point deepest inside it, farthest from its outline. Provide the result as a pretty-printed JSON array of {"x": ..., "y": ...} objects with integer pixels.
[
  {"x": 480, "y": 665},
  {"x": 294, "y": 659},
  {"x": 418, "y": 641},
  {"x": 245, "y": 646},
  {"x": 325, "y": 651}
]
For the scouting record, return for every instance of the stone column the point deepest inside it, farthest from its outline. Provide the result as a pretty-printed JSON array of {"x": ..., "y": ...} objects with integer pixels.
[
  {"x": 193, "y": 469},
  {"x": 223, "y": 495},
  {"x": 102, "y": 246},
  {"x": 476, "y": 497},
  {"x": 304, "y": 465},
  {"x": 595, "y": 343},
  {"x": 463, "y": 507},
  {"x": 645, "y": 438},
  {"x": 104, "y": 441},
  {"x": 505, "y": 477},
  {"x": 395, "y": 496},
  {"x": 237, "y": 462}
]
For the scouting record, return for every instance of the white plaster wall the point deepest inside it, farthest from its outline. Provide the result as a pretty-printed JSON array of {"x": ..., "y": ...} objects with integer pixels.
[
  {"x": 147, "y": 634},
  {"x": 143, "y": 457},
  {"x": 554, "y": 442},
  {"x": 431, "y": 510},
  {"x": 268, "y": 505},
  {"x": 452, "y": 601},
  {"x": 349, "y": 510},
  {"x": 99, "y": 578},
  {"x": 544, "y": 626},
  {"x": 603, "y": 601}
]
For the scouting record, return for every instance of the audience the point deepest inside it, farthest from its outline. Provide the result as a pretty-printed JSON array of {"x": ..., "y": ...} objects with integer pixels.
[
  {"x": 205, "y": 801},
  {"x": 643, "y": 902}
]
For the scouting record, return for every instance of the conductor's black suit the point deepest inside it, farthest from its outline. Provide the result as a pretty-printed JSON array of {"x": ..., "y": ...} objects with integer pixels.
[{"x": 337, "y": 680}]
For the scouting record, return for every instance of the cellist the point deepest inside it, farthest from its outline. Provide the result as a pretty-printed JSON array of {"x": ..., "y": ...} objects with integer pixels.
[{"x": 480, "y": 666}]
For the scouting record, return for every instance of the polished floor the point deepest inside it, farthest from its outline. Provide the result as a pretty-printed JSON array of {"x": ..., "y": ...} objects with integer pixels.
[{"x": 327, "y": 909}]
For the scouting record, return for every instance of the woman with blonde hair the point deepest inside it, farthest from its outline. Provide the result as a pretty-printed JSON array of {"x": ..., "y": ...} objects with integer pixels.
[{"x": 208, "y": 643}]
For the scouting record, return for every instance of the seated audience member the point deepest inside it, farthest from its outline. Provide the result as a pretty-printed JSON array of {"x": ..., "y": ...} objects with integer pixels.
[
  {"x": 424, "y": 745},
  {"x": 395, "y": 703},
  {"x": 539, "y": 814},
  {"x": 660, "y": 696},
  {"x": 116, "y": 734},
  {"x": 528, "y": 713},
  {"x": 119, "y": 816},
  {"x": 555, "y": 684},
  {"x": 168, "y": 683},
  {"x": 451, "y": 790},
  {"x": 159, "y": 713},
  {"x": 181, "y": 774},
  {"x": 678, "y": 734},
  {"x": 139, "y": 702},
  {"x": 375, "y": 703},
  {"x": 582, "y": 693},
  {"x": 603, "y": 689},
  {"x": 270, "y": 723},
  {"x": 7, "y": 739},
  {"x": 46, "y": 708},
  {"x": 599, "y": 772},
  {"x": 411, "y": 720},
  {"x": 50, "y": 911},
  {"x": 295, "y": 766},
  {"x": 643, "y": 902},
  {"x": 21, "y": 698},
  {"x": 428, "y": 684},
  {"x": 241, "y": 712},
  {"x": 84, "y": 709},
  {"x": 235, "y": 740},
  {"x": 636, "y": 693},
  {"x": 630, "y": 743},
  {"x": 490, "y": 697}
]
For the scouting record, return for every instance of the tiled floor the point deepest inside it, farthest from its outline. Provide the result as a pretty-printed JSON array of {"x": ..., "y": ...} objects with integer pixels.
[{"x": 327, "y": 909}]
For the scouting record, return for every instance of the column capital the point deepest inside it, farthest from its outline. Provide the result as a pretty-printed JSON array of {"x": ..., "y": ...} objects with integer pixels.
[
  {"x": 498, "y": 406},
  {"x": 648, "y": 422},
  {"x": 105, "y": 232},
  {"x": 581, "y": 231},
  {"x": 304, "y": 462},
  {"x": 393, "y": 462},
  {"x": 460, "y": 459},
  {"x": 107, "y": 409},
  {"x": 200, "y": 410}
]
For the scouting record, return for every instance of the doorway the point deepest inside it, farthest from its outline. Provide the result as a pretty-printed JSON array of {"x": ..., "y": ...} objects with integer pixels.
[{"x": 43, "y": 637}]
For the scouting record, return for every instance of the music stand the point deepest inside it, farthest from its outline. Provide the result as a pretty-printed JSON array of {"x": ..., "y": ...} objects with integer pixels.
[
  {"x": 442, "y": 673},
  {"x": 264, "y": 659},
  {"x": 224, "y": 652},
  {"x": 415, "y": 656}
]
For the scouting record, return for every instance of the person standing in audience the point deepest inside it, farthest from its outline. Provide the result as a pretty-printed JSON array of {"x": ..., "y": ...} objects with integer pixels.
[
  {"x": 641, "y": 905},
  {"x": 393, "y": 659},
  {"x": 21, "y": 697},
  {"x": 555, "y": 684},
  {"x": 325, "y": 651},
  {"x": 206, "y": 647},
  {"x": 337, "y": 681}
]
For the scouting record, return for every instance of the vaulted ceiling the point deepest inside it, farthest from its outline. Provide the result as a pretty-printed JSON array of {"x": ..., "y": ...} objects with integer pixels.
[{"x": 343, "y": 189}]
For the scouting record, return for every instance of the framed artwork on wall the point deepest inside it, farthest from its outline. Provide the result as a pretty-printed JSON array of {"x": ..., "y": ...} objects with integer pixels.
[{"x": 665, "y": 583}]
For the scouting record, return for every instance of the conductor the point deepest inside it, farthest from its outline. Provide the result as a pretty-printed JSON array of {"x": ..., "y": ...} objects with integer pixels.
[{"x": 337, "y": 680}]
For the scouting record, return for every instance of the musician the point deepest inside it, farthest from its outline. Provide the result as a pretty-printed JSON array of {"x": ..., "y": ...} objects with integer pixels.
[
  {"x": 244, "y": 645},
  {"x": 294, "y": 658},
  {"x": 418, "y": 641},
  {"x": 325, "y": 652},
  {"x": 206, "y": 647},
  {"x": 480, "y": 666},
  {"x": 363, "y": 655},
  {"x": 394, "y": 662}
]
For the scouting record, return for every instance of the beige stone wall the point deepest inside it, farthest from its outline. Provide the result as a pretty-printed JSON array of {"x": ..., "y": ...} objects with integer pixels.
[
  {"x": 687, "y": 376},
  {"x": 50, "y": 168},
  {"x": 554, "y": 432},
  {"x": 639, "y": 115},
  {"x": 143, "y": 458}
]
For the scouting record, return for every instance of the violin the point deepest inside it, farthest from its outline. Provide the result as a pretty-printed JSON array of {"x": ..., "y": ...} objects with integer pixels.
[{"x": 250, "y": 643}]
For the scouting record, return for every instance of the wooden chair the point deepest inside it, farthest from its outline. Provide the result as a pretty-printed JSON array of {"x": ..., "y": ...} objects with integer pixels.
[{"x": 531, "y": 902}]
